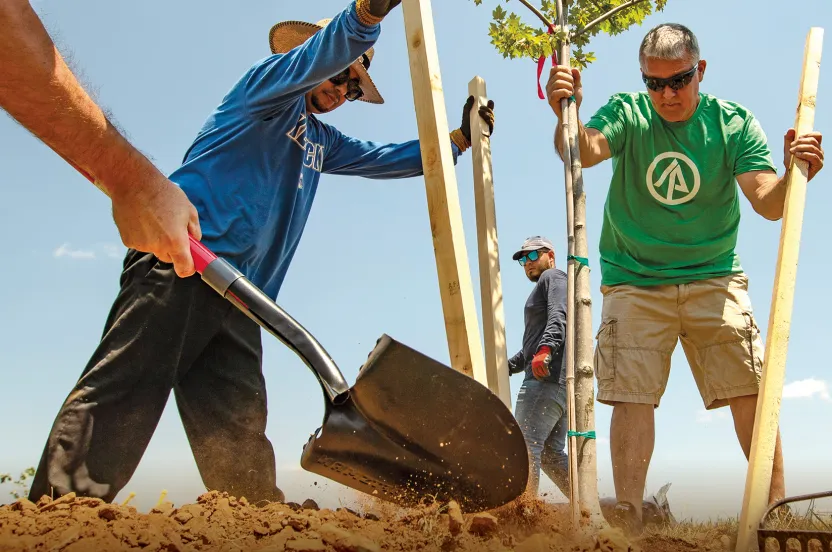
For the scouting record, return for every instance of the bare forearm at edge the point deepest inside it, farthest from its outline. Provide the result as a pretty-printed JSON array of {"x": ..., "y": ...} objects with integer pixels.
[
  {"x": 772, "y": 199},
  {"x": 38, "y": 90}
]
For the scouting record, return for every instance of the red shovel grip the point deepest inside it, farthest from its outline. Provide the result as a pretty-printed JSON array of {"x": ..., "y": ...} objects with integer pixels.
[{"x": 201, "y": 254}]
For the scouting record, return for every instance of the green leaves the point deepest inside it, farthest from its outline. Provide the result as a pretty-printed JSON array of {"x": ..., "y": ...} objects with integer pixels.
[{"x": 514, "y": 37}]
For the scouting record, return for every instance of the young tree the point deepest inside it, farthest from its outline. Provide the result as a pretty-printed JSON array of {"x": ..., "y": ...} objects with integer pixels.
[
  {"x": 584, "y": 19},
  {"x": 568, "y": 27}
]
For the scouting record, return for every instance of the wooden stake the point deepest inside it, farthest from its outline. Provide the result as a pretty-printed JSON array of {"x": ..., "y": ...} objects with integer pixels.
[
  {"x": 452, "y": 267},
  {"x": 491, "y": 289},
  {"x": 766, "y": 421}
]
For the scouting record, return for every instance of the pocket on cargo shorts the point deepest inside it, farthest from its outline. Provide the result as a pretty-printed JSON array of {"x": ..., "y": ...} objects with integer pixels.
[{"x": 606, "y": 350}]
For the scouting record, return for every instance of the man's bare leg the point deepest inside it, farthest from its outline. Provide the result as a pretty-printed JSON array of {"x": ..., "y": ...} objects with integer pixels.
[
  {"x": 632, "y": 436},
  {"x": 744, "y": 409}
]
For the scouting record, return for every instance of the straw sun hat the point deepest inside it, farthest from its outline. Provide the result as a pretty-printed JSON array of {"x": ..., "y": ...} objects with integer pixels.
[{"x": 287, "y": 35}]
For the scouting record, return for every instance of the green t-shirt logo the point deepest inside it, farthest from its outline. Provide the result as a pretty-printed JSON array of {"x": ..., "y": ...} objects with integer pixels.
[
  {"x": 667, "y": 182},
  {"x": 683, "y": 226}
]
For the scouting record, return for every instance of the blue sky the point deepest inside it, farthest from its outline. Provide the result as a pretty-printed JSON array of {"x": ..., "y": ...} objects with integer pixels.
[{"x": 365, "y": 264}]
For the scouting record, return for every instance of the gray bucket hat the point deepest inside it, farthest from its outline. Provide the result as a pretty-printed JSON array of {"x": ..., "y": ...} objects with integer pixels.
[{"x": 532, "y": 244}]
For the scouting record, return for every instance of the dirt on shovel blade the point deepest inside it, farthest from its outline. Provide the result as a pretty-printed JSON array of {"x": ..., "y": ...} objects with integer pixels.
[{"x": 223, "y": 523}]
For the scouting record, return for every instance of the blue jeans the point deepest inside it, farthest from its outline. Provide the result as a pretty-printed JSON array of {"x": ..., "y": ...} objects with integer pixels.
[{"x": 541, "y": 413}]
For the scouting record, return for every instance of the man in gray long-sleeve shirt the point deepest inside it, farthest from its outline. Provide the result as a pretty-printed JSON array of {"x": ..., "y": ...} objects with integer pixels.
[{"x": 541, "y": 402}]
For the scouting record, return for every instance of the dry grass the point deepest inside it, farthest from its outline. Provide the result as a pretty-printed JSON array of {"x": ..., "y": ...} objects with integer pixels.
[
  {"x": 696, "y": 530},
  {"x": 721, "y": 534},
  {"x": 714, "y": 535}
]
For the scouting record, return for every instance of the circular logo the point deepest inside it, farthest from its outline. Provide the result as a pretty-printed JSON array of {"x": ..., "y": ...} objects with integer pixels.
[{"x": 671, "y": 186}]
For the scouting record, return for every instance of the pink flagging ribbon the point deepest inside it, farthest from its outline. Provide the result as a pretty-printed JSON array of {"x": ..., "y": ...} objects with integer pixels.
[{"x": 540, "y": 63}]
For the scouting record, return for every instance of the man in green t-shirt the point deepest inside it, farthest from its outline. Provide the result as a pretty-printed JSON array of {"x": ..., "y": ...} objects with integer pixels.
[{"x": 668, "y": 263}]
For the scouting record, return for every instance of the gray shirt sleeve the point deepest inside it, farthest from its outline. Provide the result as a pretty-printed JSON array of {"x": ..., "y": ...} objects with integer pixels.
[
  {"x": 517, "y": 363},
  {"x": 555, "y": 332}
]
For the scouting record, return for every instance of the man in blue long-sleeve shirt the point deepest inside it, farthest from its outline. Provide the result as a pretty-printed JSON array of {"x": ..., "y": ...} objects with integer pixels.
[
  {"x": 541, "y": 401},
  {"x": 252, "y": 173}
]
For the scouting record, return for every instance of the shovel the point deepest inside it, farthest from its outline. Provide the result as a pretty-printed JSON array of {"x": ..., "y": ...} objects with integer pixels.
[{"x": 410, "y": 428}]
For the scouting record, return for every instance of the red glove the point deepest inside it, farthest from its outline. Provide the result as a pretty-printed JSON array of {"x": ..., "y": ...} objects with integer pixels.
[{"x": 540, "y": 362}]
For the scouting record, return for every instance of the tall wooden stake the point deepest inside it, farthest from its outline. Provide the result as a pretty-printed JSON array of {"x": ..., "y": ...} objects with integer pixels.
[
  {"x": 580, "y": 373},
  {"x": 766, "y": 421},
  {"x": 491, "y": 289},
  {"x": 452, "y": 267}
]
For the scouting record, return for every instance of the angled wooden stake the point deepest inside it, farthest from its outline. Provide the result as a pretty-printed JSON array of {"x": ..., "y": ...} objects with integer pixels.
[
  {"x": 491, "y": 288},
  {"x": 766, "y": 422},
  {"x": 452, "y": 267}
]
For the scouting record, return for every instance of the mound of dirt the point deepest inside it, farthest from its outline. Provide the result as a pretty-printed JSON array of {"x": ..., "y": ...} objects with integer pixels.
[{"x": 219, "y": 522}]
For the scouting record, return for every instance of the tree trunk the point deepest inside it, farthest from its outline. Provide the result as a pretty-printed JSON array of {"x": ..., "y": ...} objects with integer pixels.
[
  {"x": 569, "y": 340},
  {"x": 582, "y": 367},
  {"x": 584, "y": 362}
]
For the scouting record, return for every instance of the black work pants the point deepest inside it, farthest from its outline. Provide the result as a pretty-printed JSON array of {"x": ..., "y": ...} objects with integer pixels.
[{"x": 164, "y": 333}]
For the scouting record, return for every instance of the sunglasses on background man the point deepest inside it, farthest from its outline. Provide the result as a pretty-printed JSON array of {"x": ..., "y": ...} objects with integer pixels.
[{"x": 530, "y": 256}]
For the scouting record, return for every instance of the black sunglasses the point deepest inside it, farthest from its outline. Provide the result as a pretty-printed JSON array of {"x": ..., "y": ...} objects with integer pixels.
[
  {"x": 353, "y": 85},
  {"x": 675, "y": 82}
]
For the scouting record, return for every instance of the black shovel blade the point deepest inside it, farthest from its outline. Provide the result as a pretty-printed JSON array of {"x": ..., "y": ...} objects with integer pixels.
[{"x": 413, "y": 429}]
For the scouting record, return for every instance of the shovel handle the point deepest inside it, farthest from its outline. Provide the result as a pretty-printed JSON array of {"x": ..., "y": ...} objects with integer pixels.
[{"x": 251, "y": 301}]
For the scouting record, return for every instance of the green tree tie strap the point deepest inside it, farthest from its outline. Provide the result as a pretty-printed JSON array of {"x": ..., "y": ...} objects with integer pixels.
[
  {"x": 587, "y": 434},
  {"x": 581, "y": 260}
]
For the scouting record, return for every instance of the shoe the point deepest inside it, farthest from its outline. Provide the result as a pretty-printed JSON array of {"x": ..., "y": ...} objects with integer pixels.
[{"x": 625, "y": 517}]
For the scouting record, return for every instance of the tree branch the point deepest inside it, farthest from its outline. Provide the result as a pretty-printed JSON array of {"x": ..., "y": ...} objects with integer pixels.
[
  {"x": 597, "y": 5},
  {"x": 537, "y": 13},
  {"x": 586, "y": 28}
]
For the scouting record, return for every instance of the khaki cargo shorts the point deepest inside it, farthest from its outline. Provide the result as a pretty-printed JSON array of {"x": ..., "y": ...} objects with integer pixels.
[{"x": 641, "y": 325}]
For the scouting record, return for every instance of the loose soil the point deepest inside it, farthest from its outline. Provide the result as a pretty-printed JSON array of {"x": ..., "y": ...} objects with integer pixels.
[{"x": 219, "y": 522}]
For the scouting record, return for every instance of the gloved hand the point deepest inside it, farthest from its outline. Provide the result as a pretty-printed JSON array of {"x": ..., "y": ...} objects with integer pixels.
[
  {"x": 462, "y": 135},
  {"x": 486, "y": 113},
  {"x": 540, "y": 362},
  {"x": 371, "y": 12}
]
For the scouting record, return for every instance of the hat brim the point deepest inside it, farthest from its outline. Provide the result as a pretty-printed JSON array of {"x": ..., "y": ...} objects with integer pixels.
[{"x": 287, "y": 35}]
